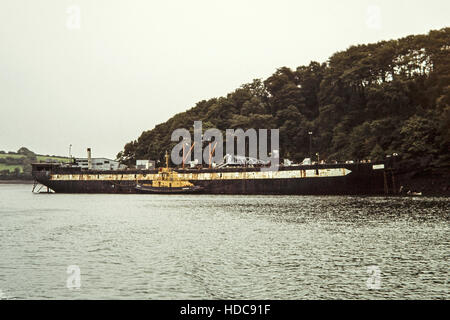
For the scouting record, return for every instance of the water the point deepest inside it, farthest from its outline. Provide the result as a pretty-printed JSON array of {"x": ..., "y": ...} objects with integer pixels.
[{"x": 222, "y": 247}]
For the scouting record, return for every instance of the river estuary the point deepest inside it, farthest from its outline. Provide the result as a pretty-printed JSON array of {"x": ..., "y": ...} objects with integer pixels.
[{"x": 84, "y": 246}]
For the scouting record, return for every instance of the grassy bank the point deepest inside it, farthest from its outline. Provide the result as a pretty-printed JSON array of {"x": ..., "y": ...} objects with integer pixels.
[
  {"x": 10, "y": 167},
  {"x": 17, "y": 165}
]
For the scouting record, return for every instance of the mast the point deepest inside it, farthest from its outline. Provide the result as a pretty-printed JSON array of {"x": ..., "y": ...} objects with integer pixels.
[
  {"x": 167, "y": 160},
  {"x": 183, "y": 155}
]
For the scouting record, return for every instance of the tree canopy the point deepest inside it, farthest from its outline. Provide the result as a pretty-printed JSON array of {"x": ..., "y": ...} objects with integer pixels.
[{"x": 366, "y": 102}]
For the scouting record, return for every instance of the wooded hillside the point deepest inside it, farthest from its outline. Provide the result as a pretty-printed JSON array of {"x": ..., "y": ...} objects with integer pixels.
[{"x": 366, "y": 102}]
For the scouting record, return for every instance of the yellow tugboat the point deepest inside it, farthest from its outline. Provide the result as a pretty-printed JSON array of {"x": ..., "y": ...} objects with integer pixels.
[{"x": 168, "y": 182}]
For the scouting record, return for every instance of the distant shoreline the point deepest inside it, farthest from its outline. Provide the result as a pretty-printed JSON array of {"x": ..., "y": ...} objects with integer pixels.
[{"x": 16, "y": 181}]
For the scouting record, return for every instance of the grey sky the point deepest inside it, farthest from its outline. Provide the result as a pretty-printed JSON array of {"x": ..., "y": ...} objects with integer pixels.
[{"x": 133, "y": 64}]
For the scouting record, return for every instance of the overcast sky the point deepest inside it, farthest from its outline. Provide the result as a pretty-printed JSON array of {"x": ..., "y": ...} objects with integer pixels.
[{"x": 96, "y": 73}]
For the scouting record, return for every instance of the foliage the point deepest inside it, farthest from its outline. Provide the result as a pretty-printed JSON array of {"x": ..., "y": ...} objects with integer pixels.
[
  {"x": 17, "y": 165},
  {"x": 366, "y": 102}
]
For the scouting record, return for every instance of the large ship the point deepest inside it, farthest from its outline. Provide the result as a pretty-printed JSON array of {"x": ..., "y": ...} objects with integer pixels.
[{"x": 313, "y": 179}]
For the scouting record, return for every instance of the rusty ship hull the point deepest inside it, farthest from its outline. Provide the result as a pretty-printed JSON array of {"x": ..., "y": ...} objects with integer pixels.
[{"x": 338, "y": 179}]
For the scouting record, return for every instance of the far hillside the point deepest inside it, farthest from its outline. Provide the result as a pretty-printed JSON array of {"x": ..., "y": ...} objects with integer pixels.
[{"x": 17, "y": 165}]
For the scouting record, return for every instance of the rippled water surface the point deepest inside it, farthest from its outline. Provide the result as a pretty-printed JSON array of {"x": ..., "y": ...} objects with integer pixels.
[{"x": 222, "y": 247}]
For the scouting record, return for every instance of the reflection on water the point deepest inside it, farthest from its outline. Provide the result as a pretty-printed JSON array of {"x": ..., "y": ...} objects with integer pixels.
[{"x": 222, "y": 247}]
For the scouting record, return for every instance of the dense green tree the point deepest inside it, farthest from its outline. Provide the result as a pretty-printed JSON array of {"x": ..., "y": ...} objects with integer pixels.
[
  {"x": 365, "y": 102},
  {"x": 25, "y": 152}
]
